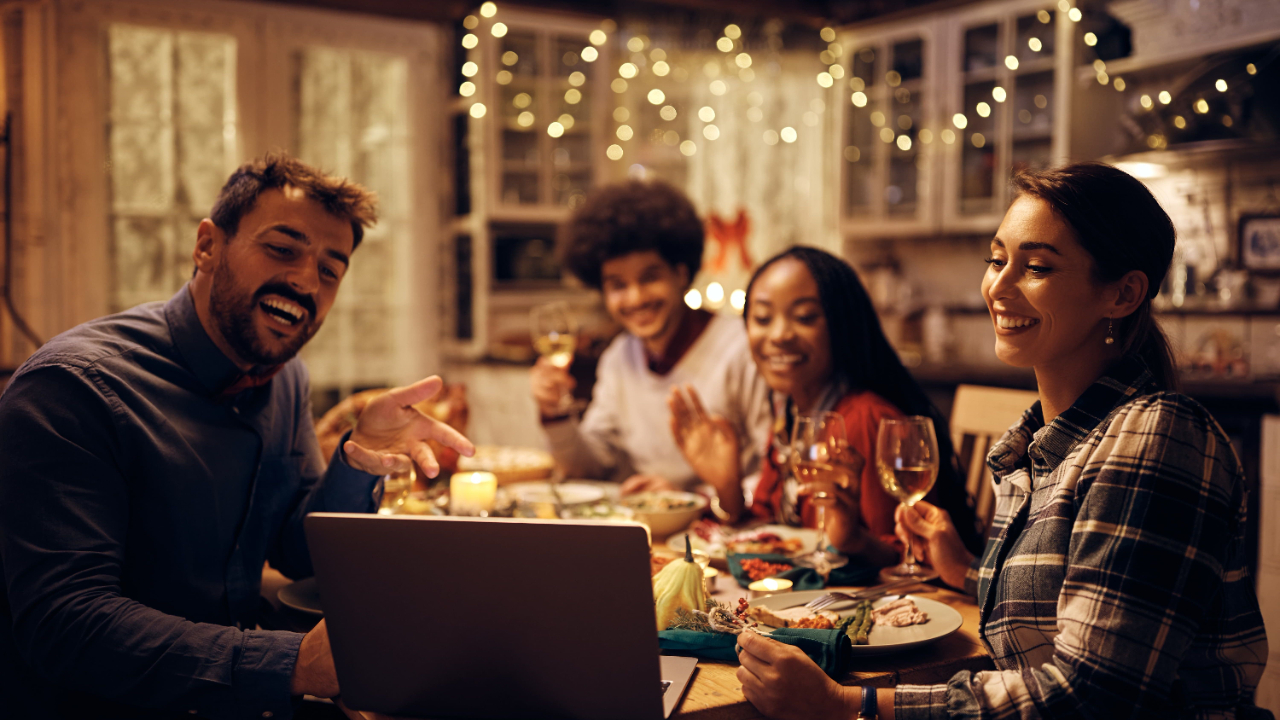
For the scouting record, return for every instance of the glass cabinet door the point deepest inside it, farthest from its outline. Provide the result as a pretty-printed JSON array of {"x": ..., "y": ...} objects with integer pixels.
[
  {"x": 885, "y": 178},
  {"x": 1006, "y": 117}
]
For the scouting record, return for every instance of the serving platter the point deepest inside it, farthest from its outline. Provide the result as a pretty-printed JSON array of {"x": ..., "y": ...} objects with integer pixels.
[
  {"x": 943, "y": 620},
  {"x": 302, "y": 595},
  {"x": 716, "y": 550}
]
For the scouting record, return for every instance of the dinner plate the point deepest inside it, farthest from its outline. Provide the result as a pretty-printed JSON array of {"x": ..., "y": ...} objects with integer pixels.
[
  {"x": 571, "y": 493},
  {"x": 303, "y": 596},
  {"x": 943, "y": 620},
  {"x": 808, "y": 537}
]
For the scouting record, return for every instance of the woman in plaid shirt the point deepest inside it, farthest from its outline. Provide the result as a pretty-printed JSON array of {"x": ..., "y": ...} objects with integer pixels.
[{"x": 1113, "y": 582}]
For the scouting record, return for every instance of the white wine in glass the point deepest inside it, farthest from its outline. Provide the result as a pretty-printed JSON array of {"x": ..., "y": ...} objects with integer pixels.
[
  {"x": 907, "y": 463},
  {"x": 817, "y": 444},
  {"x": 555, "y": 338}
]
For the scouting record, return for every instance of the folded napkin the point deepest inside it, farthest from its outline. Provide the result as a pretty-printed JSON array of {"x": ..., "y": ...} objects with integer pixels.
[
  {"x": 830, "y": 649},
  {"x": 803, "y": 578}
]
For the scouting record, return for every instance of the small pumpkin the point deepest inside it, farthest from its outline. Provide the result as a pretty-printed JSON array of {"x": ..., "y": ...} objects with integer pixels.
[{"x": 678, "y": 585}]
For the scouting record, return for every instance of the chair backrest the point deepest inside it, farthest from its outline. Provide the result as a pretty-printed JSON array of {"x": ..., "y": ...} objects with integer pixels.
[{"x": 979, "y": 416}]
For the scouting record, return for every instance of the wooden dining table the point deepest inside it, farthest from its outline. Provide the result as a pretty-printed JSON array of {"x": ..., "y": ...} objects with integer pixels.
[{"x": 716, "y": 694}]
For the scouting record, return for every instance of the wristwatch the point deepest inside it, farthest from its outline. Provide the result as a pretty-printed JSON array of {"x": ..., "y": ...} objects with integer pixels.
[{"x": 868, "y": 711}]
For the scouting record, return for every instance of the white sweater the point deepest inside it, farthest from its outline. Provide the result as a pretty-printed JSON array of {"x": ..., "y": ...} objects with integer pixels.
[{"x": 627, "y": 427}]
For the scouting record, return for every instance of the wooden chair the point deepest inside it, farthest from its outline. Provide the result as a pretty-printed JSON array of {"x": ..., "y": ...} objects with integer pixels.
[{"x": 979, "y": 416}]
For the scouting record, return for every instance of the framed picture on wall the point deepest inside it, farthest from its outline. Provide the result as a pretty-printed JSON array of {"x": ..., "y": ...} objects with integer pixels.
[{"x": 1259, "y": 237}]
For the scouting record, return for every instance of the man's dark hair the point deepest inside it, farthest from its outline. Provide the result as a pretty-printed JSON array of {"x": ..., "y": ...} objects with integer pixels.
[
  {"x": 340, "y": 197},
  {"x": 630, "y": 217}
]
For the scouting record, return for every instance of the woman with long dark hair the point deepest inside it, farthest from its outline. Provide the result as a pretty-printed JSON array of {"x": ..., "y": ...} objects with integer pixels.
[
  {"x": 817, "y": 341},
  {"x": 1115, "y": 580}
]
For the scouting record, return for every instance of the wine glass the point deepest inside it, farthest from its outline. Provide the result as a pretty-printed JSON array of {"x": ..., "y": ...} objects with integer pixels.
[
  {"x": 817, "y": 444},
  {"x": 395, "y": 491},
  {"x": 907, "y": 462},
  {"x": 555, "y": 337}
]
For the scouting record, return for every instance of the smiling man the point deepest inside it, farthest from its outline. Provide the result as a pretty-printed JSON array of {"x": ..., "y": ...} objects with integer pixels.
[
  {"x": 150, "y": 461},
  {"x": 640, "y": 243}
]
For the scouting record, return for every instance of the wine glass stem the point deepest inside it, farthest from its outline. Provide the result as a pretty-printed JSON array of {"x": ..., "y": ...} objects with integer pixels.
[
  {"x": 908, "y": 557},
  {"x": 822, "y": 530}
]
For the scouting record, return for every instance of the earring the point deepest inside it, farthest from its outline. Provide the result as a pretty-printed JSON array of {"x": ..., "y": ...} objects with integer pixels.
[{"x": 1110, "y": 339}]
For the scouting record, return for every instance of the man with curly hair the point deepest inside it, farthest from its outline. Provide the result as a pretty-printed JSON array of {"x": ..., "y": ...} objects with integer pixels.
[{"x": 640, "y": 244}]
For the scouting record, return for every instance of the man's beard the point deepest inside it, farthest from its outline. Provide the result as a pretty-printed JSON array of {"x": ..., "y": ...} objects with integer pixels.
[{"x": 233, "y": 310}]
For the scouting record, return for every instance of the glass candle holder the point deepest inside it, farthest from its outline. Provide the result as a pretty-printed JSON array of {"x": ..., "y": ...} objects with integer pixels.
[{"x": 472, "y": 493}]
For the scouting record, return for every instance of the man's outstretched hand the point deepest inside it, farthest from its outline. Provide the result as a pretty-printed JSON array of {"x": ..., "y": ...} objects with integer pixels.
[{"x": 391, "y": 431}]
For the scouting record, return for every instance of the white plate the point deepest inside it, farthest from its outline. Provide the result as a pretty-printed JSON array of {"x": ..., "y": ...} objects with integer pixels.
[
  {"x": 808, "y": 536},
  {"x": 943, "y": 620},
  {"x": 540, "y": 492},
  {"x": 303, "y": 596}
]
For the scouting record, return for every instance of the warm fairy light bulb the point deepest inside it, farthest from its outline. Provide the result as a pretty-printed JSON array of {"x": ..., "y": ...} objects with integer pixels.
[
  {"x": 525, "y": 119},
  {"x": 733, "y": 32},
  {"x": 566, "y": 121},
  {"x": 688, "y": 148},
  {"x": 625, "y": 132},
  {"x": 661, "y": 68},
  {"x": 668, "y": 113},
  {"x": 715, "y": 292},
  {"x": 510, "y": 58},
  {"x": 1221, "y": 85},
  {"x": 724, "y": 44},
  {"x": 886, "y": 135},
  {"x": 978, "y": 140},
  {"x": 788, "y": 134},
  {"x": 960, "y": 121},
  {"x": 614, "y": 152},
  {"x": 635, "y": 44},
  {"x": 825, "y": 79},
  {"x": 926, "y": 136},
  {"x": 770, "y": 137},
  {"x": 523, "y": 100},
  {"x": 718, "y": 87},
  {"x": 597, "y": 37},
  {"x": 470, "y": 41},
  {"x": 998, "y": 93},
  {"x": 618, "y": 85},
  {"x": 711, "y": 132},
  {"x": 1165, "y": 97},
  {"x": 706, "y": 114},
  {"x": 859, "y": 99},
  {"x": 738, "y": 299},
  {"x": 576, "y": 78},
  {"x": 467, "y": 89},
  {"x": 555, "y": 129},
  {"x": 1119, "y": 84},
  {"x": 1011, "y": 62},
  {"x": 1202, "y": 106},
  {"x": 1035, "y": 44},
  {"x": 573, "y": 96},
  {"x": 1090, "y": 39},
  {"x": 1075, "y": 14},
  {"x": 627, "y": 70},
  {"x": 471, "y": 22},
  {"x": 498, "y": 30},
  {"x": 469, "y": 69},
  {"x": 947, "y": 136},
  {"x": 984, "y": 110},
  {"x": 478, "y": 110},
  {"x": 621, "y": 114},
  {"x": 656, "y": 96},
  {"x": 489, "y": 9},
  {"x": 828, "y": 34},
  {"x": 904, "y": 143},
  {"x": 589, "y": 54},
  {"x": 693, "y": 299},
  {"x": 1145, "y": 100},
  {"x": 742, "y": 60}
]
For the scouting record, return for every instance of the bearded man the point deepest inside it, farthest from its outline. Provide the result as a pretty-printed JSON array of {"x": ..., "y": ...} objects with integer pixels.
[{"x": 150, "y": 461}]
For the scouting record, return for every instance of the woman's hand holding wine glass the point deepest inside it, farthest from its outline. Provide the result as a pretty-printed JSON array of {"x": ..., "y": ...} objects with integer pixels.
[
  {"x": 928, "y": 530},
  {"x": 819, "y": 449},
  {"x": 907, "y": 462}
]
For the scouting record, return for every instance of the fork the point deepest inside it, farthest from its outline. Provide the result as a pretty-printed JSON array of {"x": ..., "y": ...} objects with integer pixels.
[{"x": 834, "y": 597}]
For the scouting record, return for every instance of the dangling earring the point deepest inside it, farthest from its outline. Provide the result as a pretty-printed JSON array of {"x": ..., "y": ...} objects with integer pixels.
[{"x": 1110, "y": 340}]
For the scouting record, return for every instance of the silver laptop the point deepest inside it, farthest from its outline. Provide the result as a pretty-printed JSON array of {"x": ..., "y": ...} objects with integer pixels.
[{"x": 492, "y": 618}]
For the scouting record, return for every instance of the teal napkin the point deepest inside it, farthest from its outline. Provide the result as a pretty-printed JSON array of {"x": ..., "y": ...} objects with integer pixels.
[
  {"x": 830, "y": 649},
  {"x": 803, "y": 578}
]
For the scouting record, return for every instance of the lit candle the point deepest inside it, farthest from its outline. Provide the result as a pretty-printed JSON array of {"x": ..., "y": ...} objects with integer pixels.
[
  {"x": 472, "y": 493},
  {"x": 709, "y": 579},
  {"x": 769, "y": 586}
]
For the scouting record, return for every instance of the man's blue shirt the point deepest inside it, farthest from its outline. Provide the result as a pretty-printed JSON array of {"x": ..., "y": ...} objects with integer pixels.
[{"x": 137, "y": 505}]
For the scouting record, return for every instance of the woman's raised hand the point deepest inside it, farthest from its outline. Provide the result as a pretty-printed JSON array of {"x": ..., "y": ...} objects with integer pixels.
[
  {"x": 935, "y": 541},
  {"x": 709, "y": 444}
]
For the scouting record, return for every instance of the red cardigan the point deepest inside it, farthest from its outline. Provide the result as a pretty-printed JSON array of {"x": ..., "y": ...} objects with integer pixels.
[{"x": 862, "y": 411}]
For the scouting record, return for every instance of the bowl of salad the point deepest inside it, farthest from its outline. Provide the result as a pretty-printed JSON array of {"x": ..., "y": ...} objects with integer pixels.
[{"x": 665, "y": 511}]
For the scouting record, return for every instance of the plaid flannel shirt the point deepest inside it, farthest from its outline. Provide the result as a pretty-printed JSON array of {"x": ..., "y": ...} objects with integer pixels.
[{"x": 1113, "y": 583}]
